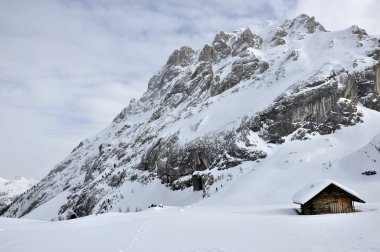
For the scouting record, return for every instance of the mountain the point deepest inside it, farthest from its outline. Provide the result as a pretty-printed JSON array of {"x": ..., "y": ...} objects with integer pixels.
[
  {"x": 10, "y": 189},
  {"x": 266, "y": 96}
]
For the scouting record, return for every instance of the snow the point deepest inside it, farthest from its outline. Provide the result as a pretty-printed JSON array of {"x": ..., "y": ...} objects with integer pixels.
[
  {"x": 49, "y": 209},
  {"x": 311, "y": 190},
  {"x": 198, "y": 229}
]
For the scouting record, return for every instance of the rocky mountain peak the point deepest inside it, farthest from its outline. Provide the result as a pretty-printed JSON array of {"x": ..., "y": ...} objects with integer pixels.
[
  {"x": 245, "y": 40},
  {"x": 208, "y": 53},
  {"x": 181, "y": 57},
  {"x": 221, "y": 44},
  {"x": 304, "y": 23}
]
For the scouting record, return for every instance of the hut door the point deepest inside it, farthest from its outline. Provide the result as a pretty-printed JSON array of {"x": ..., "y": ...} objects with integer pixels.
[{"x": 336, "y": 206}]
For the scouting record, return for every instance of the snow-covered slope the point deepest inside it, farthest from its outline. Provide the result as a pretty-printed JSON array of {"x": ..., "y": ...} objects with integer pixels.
[
  {"x": 9, "y": 189},
  {"x": 261, "y": 108}
]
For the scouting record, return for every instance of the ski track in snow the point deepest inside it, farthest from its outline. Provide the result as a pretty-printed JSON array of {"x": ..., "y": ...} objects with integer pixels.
[{"x": 9, "y": 243}]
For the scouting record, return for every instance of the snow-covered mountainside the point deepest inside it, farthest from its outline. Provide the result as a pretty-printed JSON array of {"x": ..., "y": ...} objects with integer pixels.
[
  {"x": 9, "y": 189},
  {"x": 272, "y": 105}
]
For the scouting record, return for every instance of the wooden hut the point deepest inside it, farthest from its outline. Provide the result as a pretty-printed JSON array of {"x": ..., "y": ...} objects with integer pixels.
[{"x": 326, "y": 196}]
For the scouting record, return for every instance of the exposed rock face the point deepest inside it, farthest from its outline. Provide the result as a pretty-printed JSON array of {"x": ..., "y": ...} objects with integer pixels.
[
  {"x": 213, "y": 109},
  {"x": 220, "y": 44},
  {"x": 241, "y": 69},
  {"x": 369, "y": 87},
  {"x": 203, "y": 153},
  {"x": 324, "y": 110},
  {"x": 371, "y": 101},
  {"x": 246, "y": 40},
  {"x": 208, "y": 53},
  {"x": 181, "y": 57}
]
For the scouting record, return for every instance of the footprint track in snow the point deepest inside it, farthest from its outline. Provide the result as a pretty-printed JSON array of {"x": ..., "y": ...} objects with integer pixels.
[
  {"x": 137, "y": 236},
  {"x": 206, "y": 250}
]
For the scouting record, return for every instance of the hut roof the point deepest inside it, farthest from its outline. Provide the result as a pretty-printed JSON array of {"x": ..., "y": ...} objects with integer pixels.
[{"x": 311, "y": 190}]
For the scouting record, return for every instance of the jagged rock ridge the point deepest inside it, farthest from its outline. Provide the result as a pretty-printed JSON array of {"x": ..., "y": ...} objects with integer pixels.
[{"x": 214, "y": 108}]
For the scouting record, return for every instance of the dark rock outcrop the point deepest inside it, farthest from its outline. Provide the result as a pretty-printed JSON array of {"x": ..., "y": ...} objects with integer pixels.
[
  {"x": 172, "y": 161},
  {"x": 369, "y": 87}
]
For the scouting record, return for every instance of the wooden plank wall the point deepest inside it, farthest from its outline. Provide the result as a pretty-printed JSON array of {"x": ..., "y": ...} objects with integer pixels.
[{"x": 330, "y": 200}]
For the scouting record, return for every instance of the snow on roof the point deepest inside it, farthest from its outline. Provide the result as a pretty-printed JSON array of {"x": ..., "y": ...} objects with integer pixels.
[{"x": 311, "y": 190}]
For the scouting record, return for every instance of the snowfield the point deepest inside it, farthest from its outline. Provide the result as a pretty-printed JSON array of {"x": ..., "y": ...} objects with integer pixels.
[{"x": 198, "y": 229}]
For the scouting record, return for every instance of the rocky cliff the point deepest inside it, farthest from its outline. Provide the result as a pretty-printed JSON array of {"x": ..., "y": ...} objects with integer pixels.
[{"x": 215, "y": 108}]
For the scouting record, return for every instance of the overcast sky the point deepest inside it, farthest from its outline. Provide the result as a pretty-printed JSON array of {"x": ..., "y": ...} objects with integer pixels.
[{"x": 68, "y": 67}]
